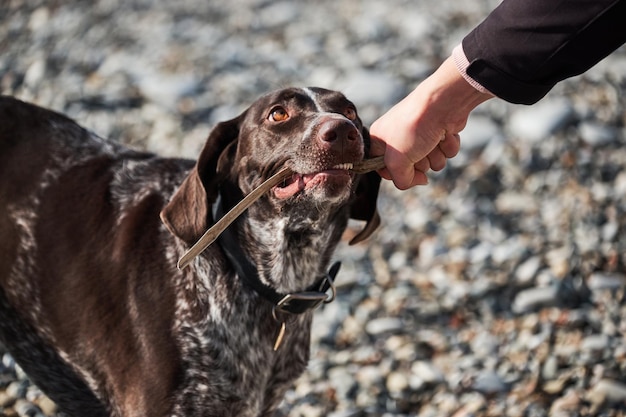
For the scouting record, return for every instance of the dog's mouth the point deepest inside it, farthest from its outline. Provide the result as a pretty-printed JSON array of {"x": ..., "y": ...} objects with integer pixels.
[{"x": 337, "y": 176}]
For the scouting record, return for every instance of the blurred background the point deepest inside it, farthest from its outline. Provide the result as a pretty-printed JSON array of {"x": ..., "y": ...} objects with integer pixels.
[{"x": 497, "y": 290}]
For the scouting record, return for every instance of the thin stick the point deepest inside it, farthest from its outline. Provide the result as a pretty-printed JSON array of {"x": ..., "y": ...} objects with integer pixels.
[
  {"x": 369, "y": 165},
  {"x": 213, "y": 233},
  {"x": 210, "y": 235}
]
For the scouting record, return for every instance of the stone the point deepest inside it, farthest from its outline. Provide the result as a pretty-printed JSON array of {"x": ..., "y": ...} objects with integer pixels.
[
  {"x": 532, "y": 124},
  {"x": 534, "y": 298},
  {"x": 383, "y": 325}
]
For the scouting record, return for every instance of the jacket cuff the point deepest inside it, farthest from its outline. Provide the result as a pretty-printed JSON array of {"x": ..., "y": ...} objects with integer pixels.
[{"x": 462, "y": 63}]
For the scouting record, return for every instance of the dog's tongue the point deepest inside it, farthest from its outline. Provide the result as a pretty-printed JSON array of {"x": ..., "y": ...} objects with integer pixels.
[{"x": 294, "y": 185}]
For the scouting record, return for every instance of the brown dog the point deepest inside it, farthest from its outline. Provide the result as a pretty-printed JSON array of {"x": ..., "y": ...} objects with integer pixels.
[{"x": 91, "y": 303}]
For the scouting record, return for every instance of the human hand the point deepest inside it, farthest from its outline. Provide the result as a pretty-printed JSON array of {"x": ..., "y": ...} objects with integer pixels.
[
  {"x": 422, "y": 131},
  {"x": 412, "y": 149}
]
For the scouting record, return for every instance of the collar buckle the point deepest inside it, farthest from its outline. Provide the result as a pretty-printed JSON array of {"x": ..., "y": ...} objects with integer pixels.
[{"x": 301, "y": 302}]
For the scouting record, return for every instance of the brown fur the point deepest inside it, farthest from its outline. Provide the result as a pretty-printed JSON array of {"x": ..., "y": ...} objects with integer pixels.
[{"x": 91, "y": 303}]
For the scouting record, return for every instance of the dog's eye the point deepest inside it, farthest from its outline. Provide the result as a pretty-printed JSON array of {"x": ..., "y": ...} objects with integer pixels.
[
  {"x": 350, "y": 113},
  {"x": 278, "y": 114}
]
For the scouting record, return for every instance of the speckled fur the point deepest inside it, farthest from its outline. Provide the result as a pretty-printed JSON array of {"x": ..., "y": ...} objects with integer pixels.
[{"x": 91, "y": 303}]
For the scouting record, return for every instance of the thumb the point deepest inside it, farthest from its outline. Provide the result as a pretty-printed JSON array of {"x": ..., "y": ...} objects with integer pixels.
[{"x": 400, "y": 168}]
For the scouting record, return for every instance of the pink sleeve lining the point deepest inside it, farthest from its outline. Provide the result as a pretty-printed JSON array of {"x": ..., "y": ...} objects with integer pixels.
[{"x": 461, "y": 62}]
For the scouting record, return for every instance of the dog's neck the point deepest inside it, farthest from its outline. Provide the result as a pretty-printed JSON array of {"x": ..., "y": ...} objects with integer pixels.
[{"x": 289, "y": 255}]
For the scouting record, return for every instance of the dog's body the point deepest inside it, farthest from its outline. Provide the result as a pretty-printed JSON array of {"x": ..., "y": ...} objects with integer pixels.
[{"x": 91, "y": 302}]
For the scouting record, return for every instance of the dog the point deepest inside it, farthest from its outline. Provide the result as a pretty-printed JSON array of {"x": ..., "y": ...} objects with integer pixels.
[{"x": 92, "y": 305}]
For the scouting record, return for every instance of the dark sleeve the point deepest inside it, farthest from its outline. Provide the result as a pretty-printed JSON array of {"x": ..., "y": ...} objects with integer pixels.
[{"x": 524, "y": 47}]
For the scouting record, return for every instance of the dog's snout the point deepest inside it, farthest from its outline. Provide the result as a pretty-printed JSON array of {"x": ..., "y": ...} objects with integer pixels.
[{"x": 337, "y": 132}]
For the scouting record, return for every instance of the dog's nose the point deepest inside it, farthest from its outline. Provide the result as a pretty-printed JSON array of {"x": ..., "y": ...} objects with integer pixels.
[{"x": 338, "y": 133}]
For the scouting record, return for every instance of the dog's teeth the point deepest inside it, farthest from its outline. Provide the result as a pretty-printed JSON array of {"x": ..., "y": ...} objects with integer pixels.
[{"x": 344, "y": 166}]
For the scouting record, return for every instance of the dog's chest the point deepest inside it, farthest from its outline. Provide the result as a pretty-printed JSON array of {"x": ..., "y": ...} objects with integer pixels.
[{"x": 230, "y": 368}]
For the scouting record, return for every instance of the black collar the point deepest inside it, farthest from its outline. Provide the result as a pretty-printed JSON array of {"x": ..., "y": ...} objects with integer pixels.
[{"x": 294, "y": 303}]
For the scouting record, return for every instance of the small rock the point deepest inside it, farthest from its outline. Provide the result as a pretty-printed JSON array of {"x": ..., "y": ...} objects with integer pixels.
[
  {"x": 480, "y": 130},
  {"x": 535, "y": 298},
  {"x": 397, "y": 382},
  {"x": 342, "y": 381},
  {"x": 372, "y": 87},
  {"x": 528, "y": 269},
  {"x": 166, "y": 89},
  {"x": 6, "y": 400},
  {"x": 47, "y": 406},
  {"x": 485, "y": 344},
  {"x": 535, "y": 123},
  {"x": 606, "y": 281},
  {"x": 594, "y": 134},
  {"x": 595, "y": 343},
  {"x": 489, "y": 382},
  {"x": 383, "y": 325},
  {"x": 607, "y": 391},
  {"x": 566, "y": 405},
  {"x": 38, "y": 19},
  {"x": 550, "y": 368},
  {"x": 277, "y": 14},
  {"x": 368, "y": 376},
  {"x": 426, "y": 372},
  {"x": 472, "y": 406},
  {"x": 26, "y": 409},
  {"x": 35, "y": 73},
  {"x": 17, "y": 389}
]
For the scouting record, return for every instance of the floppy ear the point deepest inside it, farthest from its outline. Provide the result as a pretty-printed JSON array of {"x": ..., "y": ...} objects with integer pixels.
[
  {"x": 364, "y": 206},
  {"x": 188, "y": 214}
]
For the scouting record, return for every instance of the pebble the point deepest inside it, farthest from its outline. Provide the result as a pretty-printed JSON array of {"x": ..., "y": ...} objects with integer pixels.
[
  {"x": 372, "y": 88},
  {"x": 426, "y": 373},
  {"x": 489, "y": 382},
  {"x": 342, "y": 381},
  {"x": 27, "y": 409},
  {"x": 480, "y": 131},
  {"x": 498, "y": 285},
  {"x": 607, "y": 391},
  {"x": 602, "y": 281},
  {"x": 396, "y": 383},
  {"x": 566, "y": 405},
  {"x": 534, "y": 123},
  {"x": 595, "y": 343},
  {"x": 535, "y": 298},
  {"x": 383, "y": 325},
  {"x": 595, "y": 134},
  {"x": 526, "y": 271}
]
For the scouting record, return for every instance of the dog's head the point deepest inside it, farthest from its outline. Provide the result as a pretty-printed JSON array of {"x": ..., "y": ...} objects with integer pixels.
[{"x": 315, "y": 132}]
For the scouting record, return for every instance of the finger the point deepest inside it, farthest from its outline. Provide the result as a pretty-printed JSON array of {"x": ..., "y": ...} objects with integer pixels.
[
  {"x": 437, "y": 159},
  {"x": 419, "y": 178},
  {"x": 423, "y": 165},
  {"x": 450, "y": 145},
  {"x": 400, "y": 168},
  {"x": 384, "y": 173}
]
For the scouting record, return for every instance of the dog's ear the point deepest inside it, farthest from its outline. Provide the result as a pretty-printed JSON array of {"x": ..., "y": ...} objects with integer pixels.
[
  {"x": 364, "y": 206},
  {"x": 188, "y": 214}
]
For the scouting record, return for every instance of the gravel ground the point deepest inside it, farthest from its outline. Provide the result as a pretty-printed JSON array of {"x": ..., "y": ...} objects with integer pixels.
[{"x": 497, "y": 290}]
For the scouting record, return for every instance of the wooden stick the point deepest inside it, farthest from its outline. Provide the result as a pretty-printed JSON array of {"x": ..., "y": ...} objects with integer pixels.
[
  {"x": 369, "y": 165},
  {"x": 210, "y": 235},
  {"x": 213, "y": 233}
]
